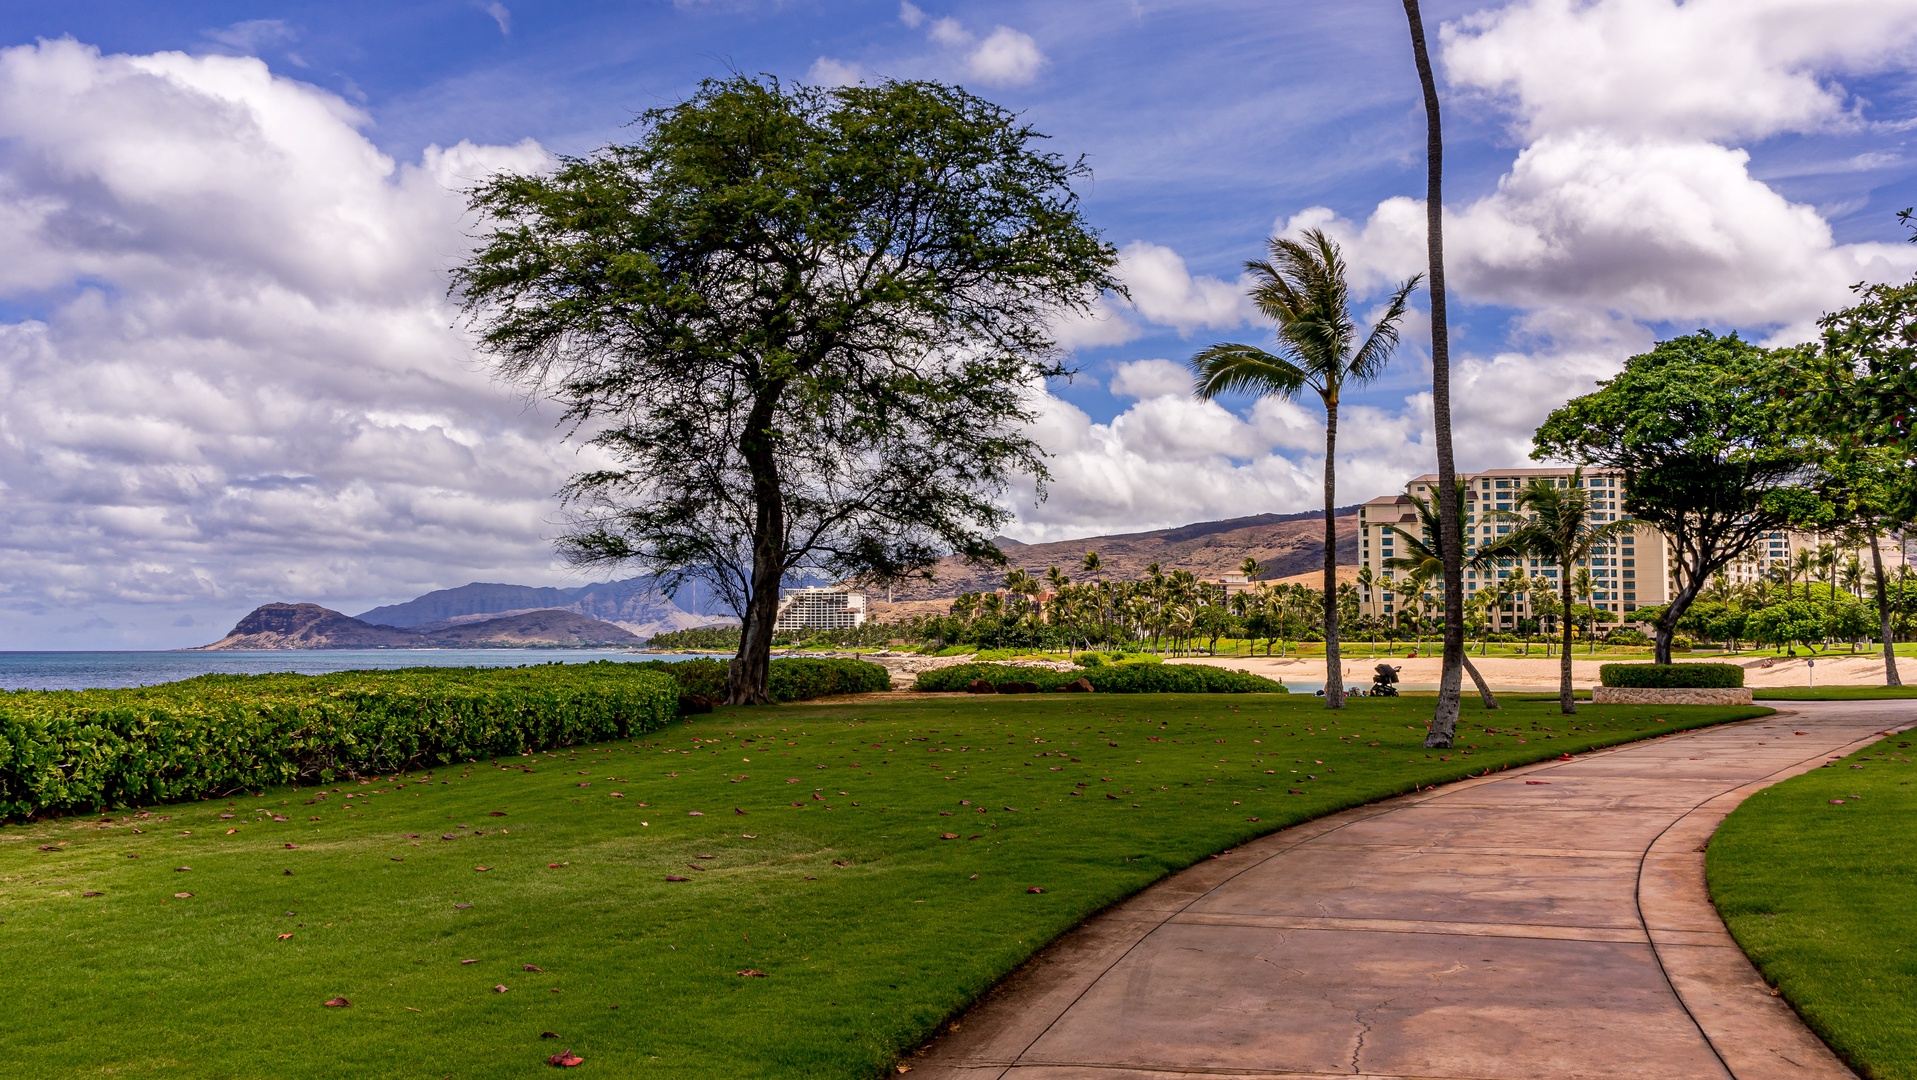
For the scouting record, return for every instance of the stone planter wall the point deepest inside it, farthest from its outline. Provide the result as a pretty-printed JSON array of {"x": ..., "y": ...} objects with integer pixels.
[{"x": 1630, "y": 695}]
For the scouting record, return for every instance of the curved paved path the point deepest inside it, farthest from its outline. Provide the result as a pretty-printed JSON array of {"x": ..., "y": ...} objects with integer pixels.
[{"x": 1545, "y": 923}]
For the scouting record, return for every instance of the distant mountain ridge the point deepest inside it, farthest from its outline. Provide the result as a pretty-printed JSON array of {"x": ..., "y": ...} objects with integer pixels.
[
  {"x": 637, "y": 604},
  {"x": 310, "y": 626}
]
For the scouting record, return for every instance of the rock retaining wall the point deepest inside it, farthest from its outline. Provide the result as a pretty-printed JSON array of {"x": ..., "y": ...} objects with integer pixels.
[{"x": 1622, "y": 695}]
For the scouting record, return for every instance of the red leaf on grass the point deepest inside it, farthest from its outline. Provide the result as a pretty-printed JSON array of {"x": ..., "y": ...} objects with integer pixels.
[
  {"x": 500, "y": 989},
  {"x": 530, "y": 967},
  {"x": 549, "y": 1034},
  {"x": 495, "y": 813},
  {"x": 676, "y": 877},
  {"x": 565, "y": 1060},
  {"x": 555, "y": 865},
  {"x": 337, "y": 1003},
  {"x": 449, "y": 836},
  {"x": 1034, "y": 889},
  {"x": 469, "y": 961}
]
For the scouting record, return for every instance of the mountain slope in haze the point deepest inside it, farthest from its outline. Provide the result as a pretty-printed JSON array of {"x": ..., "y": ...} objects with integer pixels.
[
  {"x": 310, "y": 626},
  {"x": 1283, "y": 544},
  {"x": 635, "y": 604}
]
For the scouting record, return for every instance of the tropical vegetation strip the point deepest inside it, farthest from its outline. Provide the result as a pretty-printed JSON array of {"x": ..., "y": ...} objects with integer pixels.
[
  {"x": 1814, "y": 877},
  {"x": 800, "y": 891}
]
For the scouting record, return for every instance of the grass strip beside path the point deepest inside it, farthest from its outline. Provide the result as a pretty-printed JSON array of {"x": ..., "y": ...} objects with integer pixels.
[
  {"x": 878, "y": 863},
  {"x": 1815, "y": 878},
  {"x": 1833, "y": 693}
]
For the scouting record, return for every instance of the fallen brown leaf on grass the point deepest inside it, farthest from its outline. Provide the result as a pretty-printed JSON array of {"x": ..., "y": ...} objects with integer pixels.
[
  {"x": 495, "y": 813},
  {"x": 462, "y": 907},
  {"x": 482, "y": 869},
  {"x": 750, "y": 836},
  {"x": 337, "y": 1003},
  {"x": 469, "y": 961},
  {"x": 291, "y": 846},
  {"x": 676, "y": 877},
  {"x": 695, "y": 813},
  {"x": 181, "y": 869},
  {"x": 549, "y": 1034},
  {"x": 752, "y": 973},
  {"x": 556, "y": 865},
  {"x": 948, "y": 836},
  {"x": 565, "y": 1060},
  {"x": 530, "y": 967},
  {"x": 182, "y": 896},
  {"x": 1034, "y": 889},
  {"x": 500, "y": 989},
  {"x": 95, "y": 893},
  {"x": 282, "y": 937}
]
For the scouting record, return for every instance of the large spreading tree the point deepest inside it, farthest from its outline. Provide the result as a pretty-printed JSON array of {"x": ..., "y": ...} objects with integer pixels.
[
  {"x": 801, "y": 326},
  {"x": 1708, "y": 460}
]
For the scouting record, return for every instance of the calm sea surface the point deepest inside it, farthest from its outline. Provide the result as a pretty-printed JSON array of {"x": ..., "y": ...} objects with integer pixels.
[{"x": 91, "y": 670}]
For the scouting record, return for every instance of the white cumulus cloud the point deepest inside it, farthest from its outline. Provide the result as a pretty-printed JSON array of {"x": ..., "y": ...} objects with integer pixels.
[{"x": 241, "y": 379}]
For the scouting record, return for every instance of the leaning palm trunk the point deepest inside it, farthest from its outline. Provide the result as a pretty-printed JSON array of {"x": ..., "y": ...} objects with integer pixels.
[
  {"x": 1484, "y": 692},
  {"x": 1444, "y": 720}
]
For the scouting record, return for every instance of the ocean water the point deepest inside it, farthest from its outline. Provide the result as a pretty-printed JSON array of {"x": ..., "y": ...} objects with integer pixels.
[{"x": 98, "y": 670}]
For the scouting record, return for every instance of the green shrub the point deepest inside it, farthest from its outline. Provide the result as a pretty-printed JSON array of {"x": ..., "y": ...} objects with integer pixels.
[
  {"x": 1672, "y": 676},
  {"x": 1625, "y": 635},
  {"x": 1122, "y": 678},
  {"x": 65, "y": 751},
  {"x": 1090, "y": 660},
  {"x": 791, "y": 678}
]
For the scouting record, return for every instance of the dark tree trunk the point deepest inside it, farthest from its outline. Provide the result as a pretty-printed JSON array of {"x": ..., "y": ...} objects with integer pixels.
[
  {"x": 1444, "y": 721},
  {"x": 749, "y": 671},
  {"x": 1891, "y": 678},
  {"x": 1334, "y": 669}
]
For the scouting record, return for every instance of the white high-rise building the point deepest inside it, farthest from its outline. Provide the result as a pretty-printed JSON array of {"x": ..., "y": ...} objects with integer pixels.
[{"x": 819, "y": 608}]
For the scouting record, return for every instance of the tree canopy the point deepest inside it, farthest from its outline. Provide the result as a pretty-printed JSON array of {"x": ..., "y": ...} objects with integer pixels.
[
  {"x": 802, "y": 326},
  {"x": 1707, "y": 457}
]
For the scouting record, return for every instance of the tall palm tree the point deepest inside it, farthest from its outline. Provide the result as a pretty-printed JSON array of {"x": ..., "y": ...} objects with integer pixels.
[
  {"x": 1581, "y": 585},
  {"x": 1444, "y": 719},
  {"x": 1302, "y": 289},
  {"x": 1423, "y": 558},
  {"x": 1558, "y": 526}
]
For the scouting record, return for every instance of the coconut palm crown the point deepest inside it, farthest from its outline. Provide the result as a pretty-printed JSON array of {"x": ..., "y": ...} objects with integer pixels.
[{"x": 1302, "y": 289}]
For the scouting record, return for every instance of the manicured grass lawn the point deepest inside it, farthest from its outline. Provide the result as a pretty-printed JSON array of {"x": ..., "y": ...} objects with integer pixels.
[
  {"x": 1819, "y": 894},
  {"x": 837, "y": 881},
  {"x": 1832, "y": 693}
]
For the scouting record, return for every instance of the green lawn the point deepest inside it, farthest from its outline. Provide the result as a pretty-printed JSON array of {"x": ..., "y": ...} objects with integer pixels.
[
  {"x": 838, "y": 881},
  {"x": 1819, "y": 893}
]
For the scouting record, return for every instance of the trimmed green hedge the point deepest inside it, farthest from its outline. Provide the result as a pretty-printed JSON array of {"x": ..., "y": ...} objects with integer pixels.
[
  {"x": 1123, "y": 678},
  {"x": 66, "y": 751},
  {"x": 1672, "y": 676},
  {"x": 791, "y": 678}
]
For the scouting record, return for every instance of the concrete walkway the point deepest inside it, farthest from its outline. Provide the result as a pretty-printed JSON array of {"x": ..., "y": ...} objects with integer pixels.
[{"x": 1546, "y": 923}]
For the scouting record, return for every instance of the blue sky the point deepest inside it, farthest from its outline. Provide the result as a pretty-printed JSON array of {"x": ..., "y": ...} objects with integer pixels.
[{"x": 231, "y": 375}]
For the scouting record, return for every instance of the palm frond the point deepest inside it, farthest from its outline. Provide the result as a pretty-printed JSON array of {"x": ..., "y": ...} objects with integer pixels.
[
  {"x": 1228, "y": 368},
  {"x": 1369, "y": 361}
]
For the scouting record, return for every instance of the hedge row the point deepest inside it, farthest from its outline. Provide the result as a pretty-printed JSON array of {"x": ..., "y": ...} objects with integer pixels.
[
  {"x": 1124, "y": 678},
  {"x": 791, "y": 678},
  {"x": 1672, "y": 676},
  {"x": 68, "y": 751}
]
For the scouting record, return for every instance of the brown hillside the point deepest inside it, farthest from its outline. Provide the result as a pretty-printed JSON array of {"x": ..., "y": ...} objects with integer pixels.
[{"x": 1284, "y": 545}]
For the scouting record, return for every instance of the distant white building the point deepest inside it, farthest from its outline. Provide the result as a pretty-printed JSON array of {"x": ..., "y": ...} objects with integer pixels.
[{"x": 819, "y": 608}]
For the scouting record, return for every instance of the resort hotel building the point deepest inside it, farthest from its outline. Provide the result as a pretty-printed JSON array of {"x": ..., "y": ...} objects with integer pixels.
[
  {"x": 819, "y": 608},
  {"x": 1632, "y": 573}
]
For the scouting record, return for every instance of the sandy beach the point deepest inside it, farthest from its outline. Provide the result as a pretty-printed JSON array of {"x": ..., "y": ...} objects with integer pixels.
[{"x": 1541, "y": 673}]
